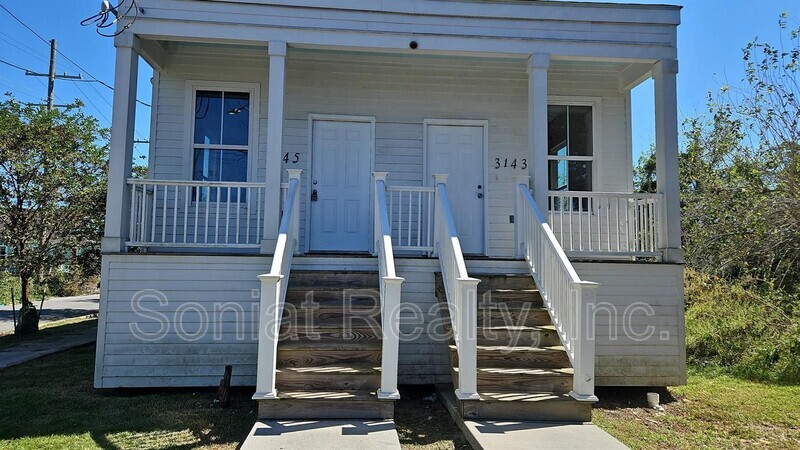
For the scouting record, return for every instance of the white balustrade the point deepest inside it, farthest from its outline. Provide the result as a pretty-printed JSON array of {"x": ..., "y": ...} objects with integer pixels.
[
  {"x": 569, "y": 300},
  {"x": 410, "y": 212}
]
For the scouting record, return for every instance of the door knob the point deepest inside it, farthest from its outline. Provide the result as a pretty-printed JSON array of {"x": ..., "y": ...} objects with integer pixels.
[
  {"x": 314, "y": 195},
  {"x": 480, "y": 195}
]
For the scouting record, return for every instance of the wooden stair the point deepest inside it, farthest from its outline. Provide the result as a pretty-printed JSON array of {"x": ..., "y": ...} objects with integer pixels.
[
  {"x": 329, "y": 353},
  {"x": 523, "y": 371}
]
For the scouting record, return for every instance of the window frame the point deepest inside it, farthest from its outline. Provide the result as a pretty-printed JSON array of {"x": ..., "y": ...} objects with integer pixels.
[
  {"x": 596, "y": 104},
  {"x": 253, "y": 89}
]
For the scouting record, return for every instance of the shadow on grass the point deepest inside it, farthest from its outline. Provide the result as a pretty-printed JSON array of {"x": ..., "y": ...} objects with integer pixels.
[{"x": 52, "y": 403}]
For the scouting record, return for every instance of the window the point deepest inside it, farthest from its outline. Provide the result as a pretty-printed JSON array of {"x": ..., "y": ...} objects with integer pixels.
[
  {"x": 570, "y": 148},
  {"x": 221, "y": 141}
]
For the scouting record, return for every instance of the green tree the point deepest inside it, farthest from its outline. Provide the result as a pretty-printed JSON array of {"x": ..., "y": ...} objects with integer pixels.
[{"x": 52, "y": 184}]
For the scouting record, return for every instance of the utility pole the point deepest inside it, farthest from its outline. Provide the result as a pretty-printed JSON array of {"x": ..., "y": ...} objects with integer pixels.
[{"x": 52, "y": 77}]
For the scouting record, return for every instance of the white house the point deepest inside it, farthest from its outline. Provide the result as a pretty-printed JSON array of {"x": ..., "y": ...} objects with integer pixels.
[{"x": 383, "y": 158}]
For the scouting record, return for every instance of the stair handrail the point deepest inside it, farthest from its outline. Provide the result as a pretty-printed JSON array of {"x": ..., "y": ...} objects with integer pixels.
[
  {"x": 273, "y": 290},
  {"x": 461, "y": 291},
  {"x": 569, "y": 300},
  {"x": 390, "y": 290}
]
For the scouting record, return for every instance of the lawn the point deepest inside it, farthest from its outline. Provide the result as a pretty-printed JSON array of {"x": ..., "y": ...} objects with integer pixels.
[
  {"x": 713, "y": 411},
  {"x": 48, "y": 329},
  {"x": 50, "y": 404}
]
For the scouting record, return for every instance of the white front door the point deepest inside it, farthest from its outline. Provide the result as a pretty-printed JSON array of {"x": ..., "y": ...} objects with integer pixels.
[
  {"x": 340, "y": 182},
  {"x": 458, "y": 152}
]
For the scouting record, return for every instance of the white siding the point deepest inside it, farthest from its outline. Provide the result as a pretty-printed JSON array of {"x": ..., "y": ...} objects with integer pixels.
[
  {"x": 638, "y": 300},
  {"x": 230, "y": 298}
]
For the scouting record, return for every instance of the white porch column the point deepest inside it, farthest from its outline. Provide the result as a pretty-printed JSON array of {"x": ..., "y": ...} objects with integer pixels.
[
  {"x": 538, "y": 63},
  {"x": 272, "y": 198},
  {"x": 666, "y": 115},
  {"x": 120, "y": 158}
]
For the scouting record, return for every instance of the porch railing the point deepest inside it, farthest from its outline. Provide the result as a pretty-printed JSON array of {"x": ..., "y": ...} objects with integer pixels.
[
  {"x": 273, "y": 290},
  {"x": 602, "y": 223},
  {"x": 195, "y": 213},
  {"x": 410, "y": 211},
  {"x": 568, "y": 299},
  {"x": 390, "y": 288},
  {"x": 461, "y": 291}
]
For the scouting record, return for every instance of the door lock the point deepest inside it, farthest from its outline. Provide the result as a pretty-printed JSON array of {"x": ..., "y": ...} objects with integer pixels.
[{"x": 314, "y": 196}]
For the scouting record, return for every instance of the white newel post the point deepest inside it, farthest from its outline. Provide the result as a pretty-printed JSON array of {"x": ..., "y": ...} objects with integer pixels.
[
  {"x": 277, "y": 84},
  {"x": 584, "y": 362},
  {"x": 390, "y": 347},
  {"x": 666, "y": 115},
  {"x": 438, "y": 178},
  {"x": 468, "y": 335},
  {"x": 268, "y": 327},
  {"x": 120, "y": 158},
  {"x": 516, "y": 182},
  {"x": 376, "y": 227},
  {"x": 538, "y": 63}
]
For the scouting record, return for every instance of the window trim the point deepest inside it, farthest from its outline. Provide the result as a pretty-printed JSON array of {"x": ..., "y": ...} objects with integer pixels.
[
  {"x": 597, "y": 142},
  {"x": 254, "y": 89}
]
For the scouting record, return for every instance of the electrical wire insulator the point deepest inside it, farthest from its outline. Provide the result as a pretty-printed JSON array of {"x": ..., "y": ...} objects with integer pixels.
[{"x": 104, "y": 20}]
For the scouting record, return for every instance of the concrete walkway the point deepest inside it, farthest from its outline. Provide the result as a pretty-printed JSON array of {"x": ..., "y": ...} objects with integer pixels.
[
  {"x": 517, "y": 435},
  {"x": 30, "y": 350},
  {"x": 323, "y": 434},
  {"x": 54, "y": 309}
]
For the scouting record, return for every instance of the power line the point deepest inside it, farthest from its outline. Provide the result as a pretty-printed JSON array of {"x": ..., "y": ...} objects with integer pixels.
[
  {"x": 93, "y": 78},
  {"x": 13, "y": 65}
]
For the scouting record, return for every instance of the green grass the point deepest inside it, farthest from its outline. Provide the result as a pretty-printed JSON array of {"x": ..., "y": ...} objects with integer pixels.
[
  {"x": 712, "y": 411},
  {"x": 50, "y": 403}
]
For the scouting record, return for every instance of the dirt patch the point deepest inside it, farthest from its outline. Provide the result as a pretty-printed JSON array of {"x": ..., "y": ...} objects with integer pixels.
[{"x": 423, "y": 423}]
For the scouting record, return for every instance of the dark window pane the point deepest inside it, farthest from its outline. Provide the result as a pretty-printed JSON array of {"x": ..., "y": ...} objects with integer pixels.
[
  {"x": 557, "y": 130},
  {"x": 580, "y": 130},
  {"x": 580, "y": 176},
  {"x": 234, "y": 165},
  {"x": 207, "y": 165},
  {"x": 236, "y": 120},
  {"x": 558, "y": 175},
  {"x": 208, "y": 117},
  {"x": 219, "y": 165}
]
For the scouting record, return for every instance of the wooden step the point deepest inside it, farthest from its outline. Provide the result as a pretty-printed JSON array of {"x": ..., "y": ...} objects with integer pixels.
[
  {"x": 334, "y": 334},
  {"x": 309, "y": 357},
  {"x": 325, "y": 405},
  {"x": 510, "y": 357},
  {"x": 334, "y": 377},
  {"x": 526, "y": 406},
  {"x": 334, "y": 316},
  {"x": 558, "y": 381},
  {"x": 334, "y": 280},
  {"x": 499, "y": 316},
  {"x": 491, "y": 282},
  {"x": 513, "y": 299},
  {"x": 354, "y": 298},
  {"x": 523, "y": 336}
]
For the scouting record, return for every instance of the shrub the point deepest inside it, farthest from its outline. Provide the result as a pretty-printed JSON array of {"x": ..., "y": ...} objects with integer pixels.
[{"x": 747, "y": 329}]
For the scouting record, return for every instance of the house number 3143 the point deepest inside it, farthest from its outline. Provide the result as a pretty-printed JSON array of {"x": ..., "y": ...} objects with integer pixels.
[{"x": 505, "y": 163}]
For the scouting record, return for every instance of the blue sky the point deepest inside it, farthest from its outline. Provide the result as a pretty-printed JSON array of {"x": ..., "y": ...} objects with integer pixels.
[{"x": 710, "y": 40}]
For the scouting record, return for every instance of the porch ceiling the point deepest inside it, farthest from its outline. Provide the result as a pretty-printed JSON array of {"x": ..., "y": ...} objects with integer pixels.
[{"x": 630, "y": 74}]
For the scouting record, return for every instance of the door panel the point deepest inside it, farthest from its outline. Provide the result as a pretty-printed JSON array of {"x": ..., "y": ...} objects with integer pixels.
[
  {"x": 340, "y": 173},
  {"x": 458, "y": 152}
]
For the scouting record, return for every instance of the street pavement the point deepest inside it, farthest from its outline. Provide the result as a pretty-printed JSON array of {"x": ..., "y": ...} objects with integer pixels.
[{"x": 54, "y": 309}]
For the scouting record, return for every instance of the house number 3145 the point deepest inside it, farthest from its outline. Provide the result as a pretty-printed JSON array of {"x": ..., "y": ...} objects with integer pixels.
[{"x": 512, "y": 163}]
